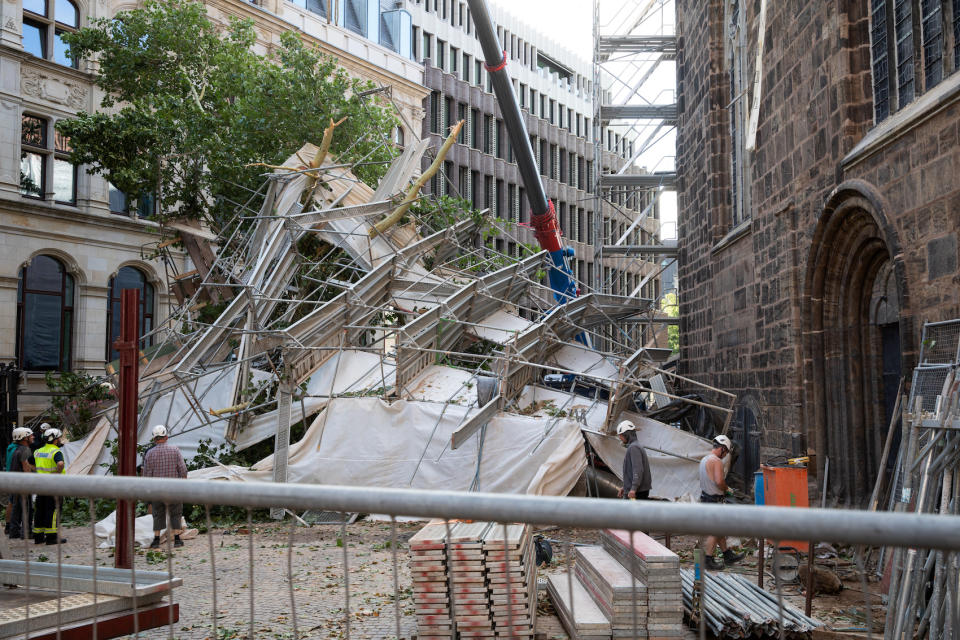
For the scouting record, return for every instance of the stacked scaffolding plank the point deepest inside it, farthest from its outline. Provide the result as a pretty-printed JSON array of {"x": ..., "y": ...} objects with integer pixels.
[
  {"x": 658, "y": 569},
  {"x": 474, "y": 580},
  {"x": 512, "y": 580},
  {"x": 621, "y": 596},
  {"x": 465, "y": 562},
  {"x": 428, "y": 569}
]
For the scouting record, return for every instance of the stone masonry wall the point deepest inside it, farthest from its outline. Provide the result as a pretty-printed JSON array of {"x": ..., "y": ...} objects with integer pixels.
[{"x": 742, "y": 291}]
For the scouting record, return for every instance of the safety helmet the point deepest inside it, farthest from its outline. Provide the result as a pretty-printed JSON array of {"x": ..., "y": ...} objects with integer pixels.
[
  {"x": 19, "y": 433},
  {"x": 51, "y": 434},
  {"x": 625, "y": 426},
  {"x": 723, "y": 441},
  {"x": 159, "y": 431},
  {"x": 44, "y": 426}
]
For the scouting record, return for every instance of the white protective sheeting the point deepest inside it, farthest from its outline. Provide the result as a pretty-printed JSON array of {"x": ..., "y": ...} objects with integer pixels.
[
  {"x": 674, "y": 478},
  {"x": 501, "y": 327},
  {"x": 185, "y": 412},
  {"x": 437, "y": 383},
  {"x": 586, "y": 361},
  {"x": 369, "y": 442},
  {"x": 347, "y": 371},
  {"x": 106, "y": 530}
]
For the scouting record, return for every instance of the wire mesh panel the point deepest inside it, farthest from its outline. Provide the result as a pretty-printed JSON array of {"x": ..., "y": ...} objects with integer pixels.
[
  {"x": 940, "y": 344},
  {"x": 928, "y": 385}
]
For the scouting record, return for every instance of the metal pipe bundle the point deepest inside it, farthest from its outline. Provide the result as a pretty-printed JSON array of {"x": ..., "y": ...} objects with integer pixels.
[{"x": 734, "y": 607}]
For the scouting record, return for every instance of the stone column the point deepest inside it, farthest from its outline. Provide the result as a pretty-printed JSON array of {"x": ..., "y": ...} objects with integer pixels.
[
  {"x": 11, "y": 23},
  {"x": 8, "y": 317}
]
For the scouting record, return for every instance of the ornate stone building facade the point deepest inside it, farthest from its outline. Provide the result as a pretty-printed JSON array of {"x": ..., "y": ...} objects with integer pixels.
[
  {"x": 68, "y": 241},
  {"x": 819, "y": 210}
]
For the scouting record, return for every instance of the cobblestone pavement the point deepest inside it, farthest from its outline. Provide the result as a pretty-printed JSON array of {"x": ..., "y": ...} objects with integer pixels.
[{"x": 318, "y": 584}]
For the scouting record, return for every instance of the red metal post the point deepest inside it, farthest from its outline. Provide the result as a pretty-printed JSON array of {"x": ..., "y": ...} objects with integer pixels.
[{"x": 128, "y": 348}]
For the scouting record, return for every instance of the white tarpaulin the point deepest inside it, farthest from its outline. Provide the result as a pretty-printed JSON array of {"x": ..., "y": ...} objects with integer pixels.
[
  {"x": 347, "y": 371},
  {"x": 501, "y": 327},
  {"x": 674, "y": 478},
  {"x": 437, "y": 383},
  {"x": 106, "y": 530},
  {"x": 369, "y": 442},
  {"x": 185, "y": 412},
  {"x": 585, "y": 361}
]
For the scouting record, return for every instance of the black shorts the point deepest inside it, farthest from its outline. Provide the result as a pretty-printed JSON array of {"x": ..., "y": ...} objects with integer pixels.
[{"x": 706, "y": 497}]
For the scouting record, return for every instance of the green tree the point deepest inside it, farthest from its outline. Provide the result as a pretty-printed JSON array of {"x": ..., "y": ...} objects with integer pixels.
[
  {"x": 669, "y": 305},
  {"x": 188, "y": 105}
]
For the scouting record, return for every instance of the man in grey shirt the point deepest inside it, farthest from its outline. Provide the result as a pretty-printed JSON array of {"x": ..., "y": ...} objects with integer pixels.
[{"x": 636, "y": 467}]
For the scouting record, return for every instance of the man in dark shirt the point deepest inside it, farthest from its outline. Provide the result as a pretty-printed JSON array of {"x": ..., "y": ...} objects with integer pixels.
[
  {"x": 22, "y": 462},
  {"x": 636, "y": 467}
]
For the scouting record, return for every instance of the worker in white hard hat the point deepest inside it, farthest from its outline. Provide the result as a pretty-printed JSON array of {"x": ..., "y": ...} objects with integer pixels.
[
  {"x": 164, "y": 460},
  {"x": 49, "y": 459},
  {"x": 713, "y": 488},
  {"x": 22, "y": 461},
  {"x": 16, "y": 434},
  {"x": 636, "y": 467}
]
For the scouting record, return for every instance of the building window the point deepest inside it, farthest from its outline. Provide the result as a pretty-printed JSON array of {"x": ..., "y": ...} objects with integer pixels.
[
  {"x": 118, "y": 201},
  {"x": 128, "y": 278},
  {"x": 736, "y": 57},
  {"x": 44, "y": 23},
  {"x": 38, "y": 157},
  {"x": 318, "y": 7},
  {"x": 44, "y": 316},
  {"x": 910, "y": 47}
]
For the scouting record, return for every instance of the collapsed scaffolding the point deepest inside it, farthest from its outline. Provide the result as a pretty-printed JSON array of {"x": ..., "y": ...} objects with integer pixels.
[{"x": 415, "y": 354}]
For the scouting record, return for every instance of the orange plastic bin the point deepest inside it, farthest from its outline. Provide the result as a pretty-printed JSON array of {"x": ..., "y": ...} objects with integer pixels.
[{"x": 786, "y": 487}]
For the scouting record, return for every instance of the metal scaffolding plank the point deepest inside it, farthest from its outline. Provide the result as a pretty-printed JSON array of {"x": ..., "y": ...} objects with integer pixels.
[
  {"x": 637, "y": 44},
  {"x": 639, "y": 249},
  {"x": 638, "y": 112},
  {"x": 640, "y": 180}
]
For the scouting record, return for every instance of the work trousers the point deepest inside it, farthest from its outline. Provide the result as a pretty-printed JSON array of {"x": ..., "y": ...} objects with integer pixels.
[
  {"x": 160, "y": 509},
  {"x": 45, "y": 515},
  {"x": 21, "y": 520}
]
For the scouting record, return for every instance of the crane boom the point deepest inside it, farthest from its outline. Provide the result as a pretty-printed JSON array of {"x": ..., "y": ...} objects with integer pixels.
[{"x": 543, "y": 217}]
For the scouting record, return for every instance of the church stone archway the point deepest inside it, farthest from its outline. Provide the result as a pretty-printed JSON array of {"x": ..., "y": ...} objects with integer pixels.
[{"x": 852, "y": 316}]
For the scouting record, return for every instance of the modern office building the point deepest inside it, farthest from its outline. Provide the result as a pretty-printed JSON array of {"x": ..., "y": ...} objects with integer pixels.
[{"x": 555, "y": 91}]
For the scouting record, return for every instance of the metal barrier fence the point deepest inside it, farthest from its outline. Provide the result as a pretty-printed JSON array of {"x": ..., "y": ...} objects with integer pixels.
[{"x": 145, "y": 588}]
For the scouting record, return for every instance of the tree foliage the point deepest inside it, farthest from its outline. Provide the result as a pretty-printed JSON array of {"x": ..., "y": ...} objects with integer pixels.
[
  {"x": 670, "y": 306},
  {"x": 188, "y": 104}
]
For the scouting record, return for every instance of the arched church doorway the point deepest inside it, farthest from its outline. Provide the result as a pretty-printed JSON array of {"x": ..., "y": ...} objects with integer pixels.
[{"x": 851, "y": 322}]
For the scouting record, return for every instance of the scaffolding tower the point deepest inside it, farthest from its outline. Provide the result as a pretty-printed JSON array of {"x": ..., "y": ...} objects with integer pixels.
[{"x": 634, "y": 102}]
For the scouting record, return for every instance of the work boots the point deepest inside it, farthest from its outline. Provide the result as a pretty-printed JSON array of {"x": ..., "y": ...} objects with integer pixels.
[
  {"x": 732, "y": 557},
  {"x": 713, "y": 564}
]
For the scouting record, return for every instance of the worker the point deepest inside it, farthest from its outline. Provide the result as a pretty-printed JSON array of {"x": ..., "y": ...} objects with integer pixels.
[
  {"x": 713, "y": 488},
  {"x": 22, "y": 462},
  {"x": 49, "y": 459},
  {"x": 5, "y": 498},
  {"x": 636, "y": 467},
  {"x": 164, "y": 460}
]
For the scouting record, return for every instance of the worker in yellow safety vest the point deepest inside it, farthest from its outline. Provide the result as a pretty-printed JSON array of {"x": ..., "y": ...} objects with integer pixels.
[{"x": 49, "y": 459}]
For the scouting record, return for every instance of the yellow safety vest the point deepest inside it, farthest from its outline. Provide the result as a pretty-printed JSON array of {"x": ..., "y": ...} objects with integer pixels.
[{"x": 44, "y": 458}]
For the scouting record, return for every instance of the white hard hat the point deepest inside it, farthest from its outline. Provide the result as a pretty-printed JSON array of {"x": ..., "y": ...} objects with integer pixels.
[
  {"x": 51, "y": 433},
  {"x": 625, "y": 426},
  {"x": 723, "y": 441},
  {"x": 44, "y": 426},
  {"x": 159, "y": 431},
  {"x": 19, "y": 433}
]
